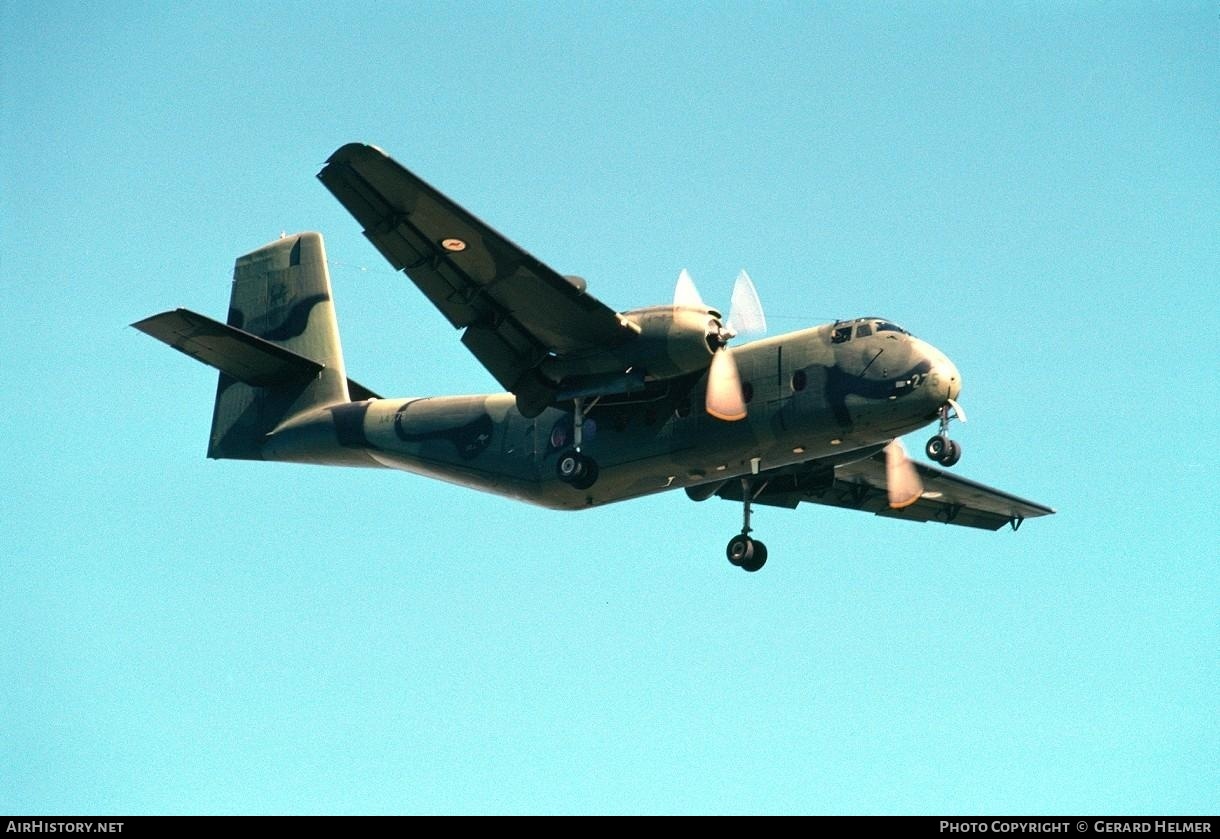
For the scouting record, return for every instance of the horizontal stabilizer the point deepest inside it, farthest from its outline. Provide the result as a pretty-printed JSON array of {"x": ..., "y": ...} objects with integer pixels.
[{"x": 243, "y": 356}]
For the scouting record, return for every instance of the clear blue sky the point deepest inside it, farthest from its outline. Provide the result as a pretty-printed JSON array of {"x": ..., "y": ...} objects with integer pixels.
[{"x": 1035, "y": 189}]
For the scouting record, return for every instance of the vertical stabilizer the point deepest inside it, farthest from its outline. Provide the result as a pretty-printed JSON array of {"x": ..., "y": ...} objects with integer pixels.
[{"x": 281, "y": 293}]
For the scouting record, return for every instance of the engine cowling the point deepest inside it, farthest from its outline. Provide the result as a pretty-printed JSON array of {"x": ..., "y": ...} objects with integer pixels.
[
  {"x": 671, "y": 341},
  {"x": 674, "y": 341}
]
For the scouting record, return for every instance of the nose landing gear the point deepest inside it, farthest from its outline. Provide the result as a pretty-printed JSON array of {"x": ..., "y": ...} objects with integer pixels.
[
  {"x": 744, "y": 552},
  {"x": 940, "y": 448}
]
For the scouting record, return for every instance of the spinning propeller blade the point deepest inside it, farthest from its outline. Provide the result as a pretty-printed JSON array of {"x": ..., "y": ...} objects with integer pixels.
[
  {"x": 901, "y": 480},
  {"x": 724, "y": 400},
  {"x": 685, "y": 293},
  {"x": 745, "y": 311}
]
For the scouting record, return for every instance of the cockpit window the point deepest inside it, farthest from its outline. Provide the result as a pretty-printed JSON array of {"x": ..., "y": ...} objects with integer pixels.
[{"x": 863, "y": 328}]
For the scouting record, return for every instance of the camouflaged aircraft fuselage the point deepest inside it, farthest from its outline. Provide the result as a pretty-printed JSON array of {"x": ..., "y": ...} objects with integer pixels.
[{"x": 811, "y": 399}]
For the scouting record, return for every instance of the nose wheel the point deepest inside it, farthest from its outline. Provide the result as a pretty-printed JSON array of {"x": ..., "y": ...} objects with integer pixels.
[
  {"x": 940, "y": 448},
  {"x": 746, "y": 553},
  {"x": 944, "y": 451}
]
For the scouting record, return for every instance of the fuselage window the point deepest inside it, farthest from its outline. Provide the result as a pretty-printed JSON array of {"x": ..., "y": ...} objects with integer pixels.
[
  {"x": 799, "y": 380},
  {"x": 841, "y": 334},
  {"x": 747, "y": 391},
  {"x": 863, "y": 330}
]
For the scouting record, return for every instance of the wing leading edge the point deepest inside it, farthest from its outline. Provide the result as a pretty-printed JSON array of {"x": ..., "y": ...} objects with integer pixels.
[
  {"x": 514, "y": 309},
  {"x": 860, "y": 485}
]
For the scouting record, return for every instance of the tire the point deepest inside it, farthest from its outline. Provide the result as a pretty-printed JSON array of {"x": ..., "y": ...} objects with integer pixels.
[
  {"x": 936, "y": 448},
  {"x": 570, "y": 467},
  {"x": 953, "y": 454},
  {"x": 740, "y": 550},
  {"x": 588, "y": 473},
  {"x": 756, "y": 562}
]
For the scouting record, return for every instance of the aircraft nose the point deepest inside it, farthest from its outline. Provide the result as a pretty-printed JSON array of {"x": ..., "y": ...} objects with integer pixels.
[
  {"x": 946, "y": 376},
  {"x": 943, "y": 376}
]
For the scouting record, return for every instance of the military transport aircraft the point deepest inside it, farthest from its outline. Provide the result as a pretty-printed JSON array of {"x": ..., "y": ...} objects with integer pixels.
[{"x": 601, "y": 406}]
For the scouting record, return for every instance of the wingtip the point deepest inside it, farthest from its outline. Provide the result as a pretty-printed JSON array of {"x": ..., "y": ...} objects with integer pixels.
[{"x": 350, "y": 150}]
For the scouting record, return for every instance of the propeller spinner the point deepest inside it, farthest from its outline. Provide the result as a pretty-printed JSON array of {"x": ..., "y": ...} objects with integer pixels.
[{"x": 724, "y": 398}]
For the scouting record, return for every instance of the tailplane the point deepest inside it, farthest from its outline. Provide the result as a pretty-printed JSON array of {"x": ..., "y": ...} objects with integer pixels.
[{"x": 279, "y": 353}]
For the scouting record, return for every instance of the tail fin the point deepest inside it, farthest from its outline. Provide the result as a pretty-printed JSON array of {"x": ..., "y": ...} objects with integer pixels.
[
  {"x": 281, "y": 293},
  {"x": 279, "y": 355}
]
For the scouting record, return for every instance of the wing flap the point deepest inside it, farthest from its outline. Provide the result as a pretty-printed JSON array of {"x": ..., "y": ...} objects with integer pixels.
[
  {"x": 860, "y": 485},
  {"x": 947, "y": 498}
]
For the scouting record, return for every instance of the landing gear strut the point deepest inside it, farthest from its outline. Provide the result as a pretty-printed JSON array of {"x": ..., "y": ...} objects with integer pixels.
[
  {"x": 940, "y": 448},
  {"x": 744, "y": 552},
  {"x": 575, "y": 468}
]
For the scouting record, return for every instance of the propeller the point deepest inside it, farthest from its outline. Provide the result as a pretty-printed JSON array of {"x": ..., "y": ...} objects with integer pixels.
[
  {"x": 686, "y": 296},
  {"x": 902, "y": 481},
  {"x": 745, "y": 309},
  {"x": 724, "y": 399}
]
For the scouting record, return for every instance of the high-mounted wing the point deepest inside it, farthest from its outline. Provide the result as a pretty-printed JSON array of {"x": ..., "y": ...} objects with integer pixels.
[
  {"x": 861, "y": 486},
  {"x": 515, "y": 310}
]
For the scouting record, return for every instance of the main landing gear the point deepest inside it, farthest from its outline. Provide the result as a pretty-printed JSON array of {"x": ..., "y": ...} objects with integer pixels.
[
  {"x": 940, "y": 448},
  {"x": 573, "y": 467},
  {"x": 744, "y": 552}
]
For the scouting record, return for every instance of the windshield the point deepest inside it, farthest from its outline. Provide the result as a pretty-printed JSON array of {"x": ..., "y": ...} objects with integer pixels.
[{"x": 862, "y": 328}]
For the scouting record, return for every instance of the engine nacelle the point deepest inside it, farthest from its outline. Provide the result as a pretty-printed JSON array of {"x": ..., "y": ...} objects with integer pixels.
[
  {"x": 670, "y": 341},
  {"x": 674, "y": 340}
]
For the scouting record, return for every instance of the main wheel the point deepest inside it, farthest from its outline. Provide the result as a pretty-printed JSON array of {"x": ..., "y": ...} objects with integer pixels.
[
  {"x": 576, "y": 469},
  {"x": 570, "y": 467},
  {"x": 757, "y": 561},
  {"x": 588, "y": 475},
  {"x": 937, "y": 447},
  {"x": 740, "y": 550},
  {"x": 952, "y": 455}
]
